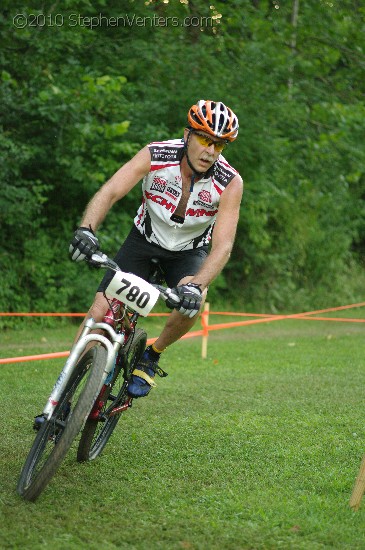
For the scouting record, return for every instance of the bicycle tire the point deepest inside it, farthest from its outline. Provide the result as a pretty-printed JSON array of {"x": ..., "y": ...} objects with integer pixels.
[
  {"x": 96, "y": 433},
  {"x": 33, "y": 480}
]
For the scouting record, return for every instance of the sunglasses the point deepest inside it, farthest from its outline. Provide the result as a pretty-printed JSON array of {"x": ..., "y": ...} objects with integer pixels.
[{"x": 207, "y": 142}]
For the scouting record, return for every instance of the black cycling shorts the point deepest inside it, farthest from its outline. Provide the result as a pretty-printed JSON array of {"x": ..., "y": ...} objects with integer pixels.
[{"x": 135, "y": 256}]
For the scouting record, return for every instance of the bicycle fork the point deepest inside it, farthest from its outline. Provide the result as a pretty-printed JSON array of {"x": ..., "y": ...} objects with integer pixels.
[{"x": 112, "y": 347}]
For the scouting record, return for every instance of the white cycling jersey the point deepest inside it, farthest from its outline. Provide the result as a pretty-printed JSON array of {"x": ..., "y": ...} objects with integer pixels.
[{"x": 162, "y": 189}]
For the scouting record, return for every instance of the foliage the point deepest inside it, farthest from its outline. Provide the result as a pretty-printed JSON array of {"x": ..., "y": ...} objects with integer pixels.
[{"x": 85, "y": 85}]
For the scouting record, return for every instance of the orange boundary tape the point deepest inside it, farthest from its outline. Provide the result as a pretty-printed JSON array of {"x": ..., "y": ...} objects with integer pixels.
[
  {"x": 67, "y": 353},
  {"x": 263, "y": 318},
  {"x": 232, "y": 313},
  {"x": 23, "y": 314}
]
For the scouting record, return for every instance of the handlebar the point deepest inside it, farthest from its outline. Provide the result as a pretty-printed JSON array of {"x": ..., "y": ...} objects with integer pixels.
[{"x": 100, "y": 260}]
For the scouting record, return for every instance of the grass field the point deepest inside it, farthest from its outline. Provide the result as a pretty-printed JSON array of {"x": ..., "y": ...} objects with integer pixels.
[{"x": 256, "y": 447}]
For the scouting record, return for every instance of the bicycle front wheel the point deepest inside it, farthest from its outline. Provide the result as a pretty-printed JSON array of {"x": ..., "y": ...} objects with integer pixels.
[
  {"x": 113, "y": 400},
  {"x": 56, "y": 435}
]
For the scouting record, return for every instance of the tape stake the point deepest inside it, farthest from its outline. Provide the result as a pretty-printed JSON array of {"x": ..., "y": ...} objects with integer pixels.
[
  {"x": 205, "y": 325},
  {"x": 359, "y": 488}
]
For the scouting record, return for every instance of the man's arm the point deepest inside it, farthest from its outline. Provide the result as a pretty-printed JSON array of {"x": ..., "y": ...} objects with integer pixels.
[
  {"x": 116, "y": 188},
  {"x": 223, "y": 233}
]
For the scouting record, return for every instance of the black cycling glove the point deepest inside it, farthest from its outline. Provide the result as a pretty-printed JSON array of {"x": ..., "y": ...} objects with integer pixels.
[
  {"x": 84, "y": 244},
  {"x": 187, "y": 299}
]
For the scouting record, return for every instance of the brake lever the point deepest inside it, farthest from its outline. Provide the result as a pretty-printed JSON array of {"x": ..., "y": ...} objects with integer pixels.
[
  {"x": 102, "y": 260},
  {"x": 165, "y": 293}
]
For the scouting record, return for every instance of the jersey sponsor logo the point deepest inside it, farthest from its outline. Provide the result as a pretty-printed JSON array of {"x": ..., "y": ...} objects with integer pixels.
[
  {"x": 175, "y": 184},
  {"x": 199, "y": 212},
  {"x": 164, "y": 154},
  {"x": 168, "y": 150},
  {"x": 222, "y": 174},
  {"x": 205, "y": 199},
  {"x": 158, "y": 184},
  {"x": 172, "y": 192},
  {"x": 201, "y": 203},
  {"x": 161, "y": 201},
  {"x": 165, "y": 203},
  {"x": 205, "y": 196}
]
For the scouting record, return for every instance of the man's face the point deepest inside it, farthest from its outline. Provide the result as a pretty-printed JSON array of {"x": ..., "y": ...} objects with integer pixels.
[{"x": 203, "y": 149}]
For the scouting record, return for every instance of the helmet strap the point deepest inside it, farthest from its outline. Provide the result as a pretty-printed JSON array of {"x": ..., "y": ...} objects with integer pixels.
[{"x": 192, "y": 183}]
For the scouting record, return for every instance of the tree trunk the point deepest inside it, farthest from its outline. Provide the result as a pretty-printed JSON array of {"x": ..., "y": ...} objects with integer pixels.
[{"x": 293, "y": 45}]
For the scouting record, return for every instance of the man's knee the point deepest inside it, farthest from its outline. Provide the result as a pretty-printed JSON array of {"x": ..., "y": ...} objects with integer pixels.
[{"x": 98, "y": 308}]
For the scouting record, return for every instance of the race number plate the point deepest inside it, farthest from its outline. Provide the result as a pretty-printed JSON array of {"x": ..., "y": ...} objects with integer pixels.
[{"x": 133, "y": 291}]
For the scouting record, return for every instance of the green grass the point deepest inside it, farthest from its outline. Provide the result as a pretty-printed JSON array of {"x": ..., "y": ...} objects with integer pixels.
[{"x": 256, "y": 447}]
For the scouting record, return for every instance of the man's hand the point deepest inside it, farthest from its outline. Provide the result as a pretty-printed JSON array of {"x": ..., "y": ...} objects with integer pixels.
[
  {"x": 84, "y": 244},
  {"x": 187, "y": 299}
]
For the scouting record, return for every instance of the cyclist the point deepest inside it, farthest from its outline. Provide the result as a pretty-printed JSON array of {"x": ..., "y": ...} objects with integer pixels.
[{"x": 184, "y": 183}]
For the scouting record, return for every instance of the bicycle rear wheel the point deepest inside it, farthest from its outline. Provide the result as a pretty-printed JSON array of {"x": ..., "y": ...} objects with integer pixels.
[
  {"x": 56, "y": 435},
  {"x": 113, "y": 396}
]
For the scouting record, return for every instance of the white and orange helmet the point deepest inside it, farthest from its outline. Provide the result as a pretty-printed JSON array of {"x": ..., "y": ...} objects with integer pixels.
[{"x": 214, "y": 118}]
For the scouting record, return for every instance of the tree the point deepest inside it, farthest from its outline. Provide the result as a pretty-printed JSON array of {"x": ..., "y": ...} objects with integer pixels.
[{"x": 79, "y": 98}]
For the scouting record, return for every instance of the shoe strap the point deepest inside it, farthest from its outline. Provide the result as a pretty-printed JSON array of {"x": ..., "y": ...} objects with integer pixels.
[
  {"x": 144, "y": 375},
  {"x": 153, "y": 365},
  {"x": 160, "y": 372}
]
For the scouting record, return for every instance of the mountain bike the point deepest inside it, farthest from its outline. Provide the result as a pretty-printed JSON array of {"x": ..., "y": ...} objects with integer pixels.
[{"x": 91, "y": 392}]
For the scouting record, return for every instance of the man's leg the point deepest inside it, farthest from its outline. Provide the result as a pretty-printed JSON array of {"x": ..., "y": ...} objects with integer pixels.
[
  {"x": 97, "y": 312},
  {"x": 176, "y": 326}
]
